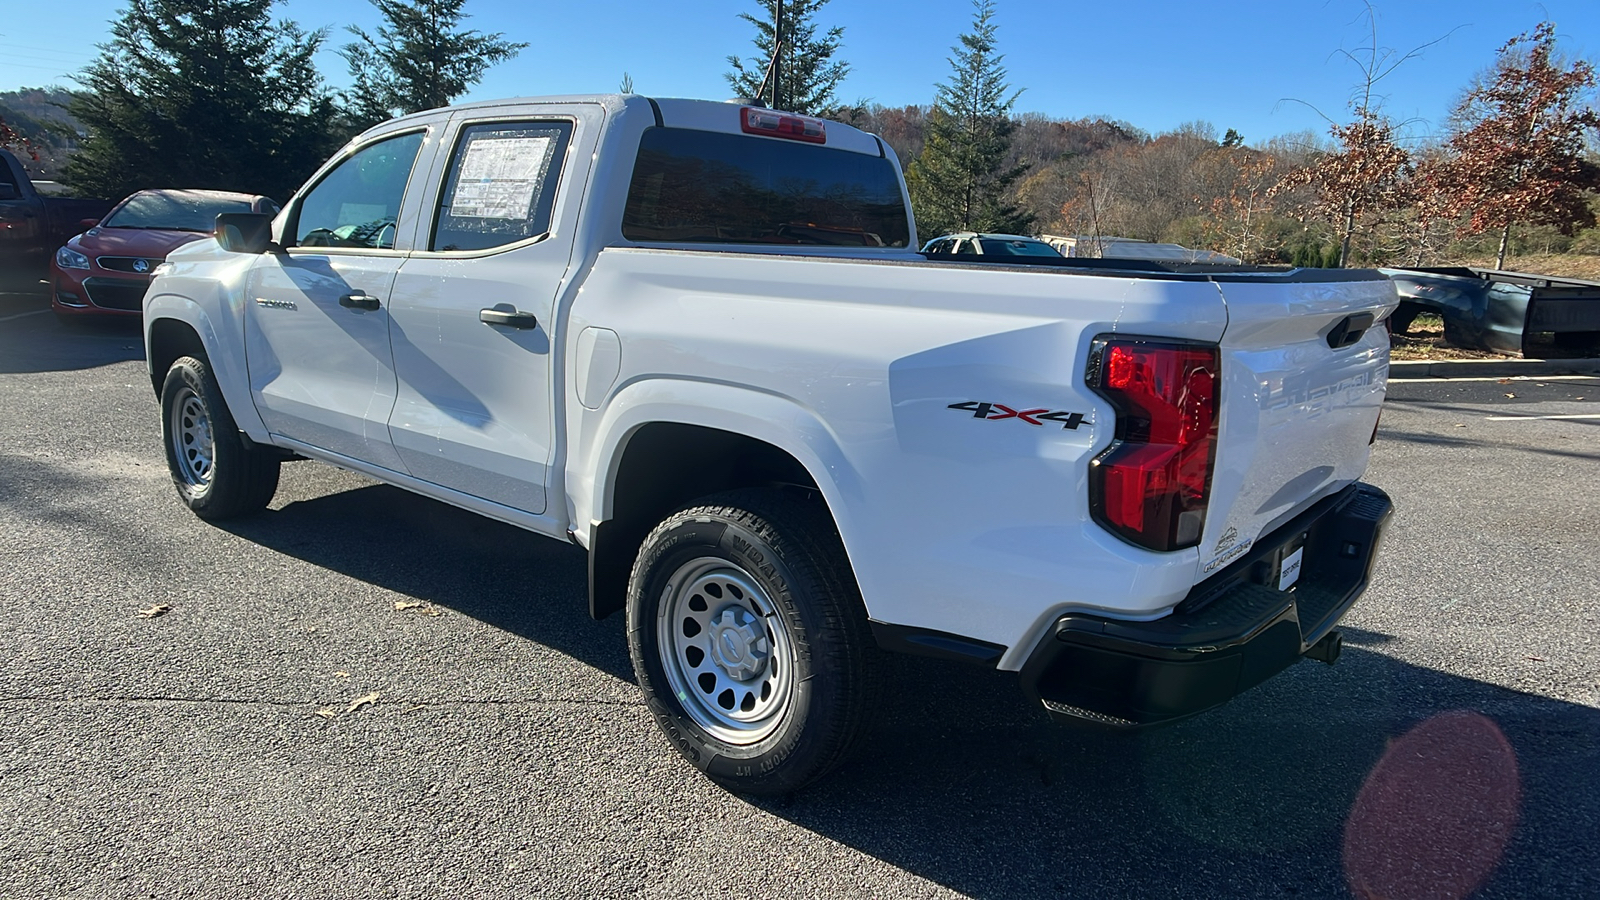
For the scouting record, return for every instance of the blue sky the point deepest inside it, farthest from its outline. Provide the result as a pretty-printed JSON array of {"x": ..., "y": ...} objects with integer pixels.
[{"x": 1153, "y": 63}]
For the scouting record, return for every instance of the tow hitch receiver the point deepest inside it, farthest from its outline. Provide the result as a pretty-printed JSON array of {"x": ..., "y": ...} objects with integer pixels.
[{"x": 1327, "y": 649}]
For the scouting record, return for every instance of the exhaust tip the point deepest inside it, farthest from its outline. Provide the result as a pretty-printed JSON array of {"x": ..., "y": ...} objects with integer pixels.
[{"x": 1327, "y": 650}]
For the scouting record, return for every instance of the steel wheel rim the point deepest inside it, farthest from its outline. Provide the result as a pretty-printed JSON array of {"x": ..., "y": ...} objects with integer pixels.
[
  {"x": 727, "y": 654},
  {"x": 193, "y": 448}
]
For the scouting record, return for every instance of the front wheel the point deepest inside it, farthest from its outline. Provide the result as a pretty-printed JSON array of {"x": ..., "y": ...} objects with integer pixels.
[
  {"x": 217, "y": 474},
  {"x": 749, "y": 639}
]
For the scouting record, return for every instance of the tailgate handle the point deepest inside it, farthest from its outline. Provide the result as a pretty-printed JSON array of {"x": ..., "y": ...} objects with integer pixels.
[{"x": 1349, "y": 330}]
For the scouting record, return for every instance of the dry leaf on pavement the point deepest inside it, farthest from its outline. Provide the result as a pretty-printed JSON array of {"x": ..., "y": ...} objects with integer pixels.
[
  {"x": 359, "y": 702},
  {"x": 326, "y": 713},
  {"x": 407, "y": 604},
  {"x": 160, "y": 609}
]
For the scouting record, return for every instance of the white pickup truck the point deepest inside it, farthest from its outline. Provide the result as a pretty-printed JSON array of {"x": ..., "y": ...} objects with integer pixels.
[{"x": 697, "y": 340}]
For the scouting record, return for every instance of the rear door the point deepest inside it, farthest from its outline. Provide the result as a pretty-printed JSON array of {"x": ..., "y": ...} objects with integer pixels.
[
  {"x": 1297, "y": 413},
  {"x": 317, "y": 317},
  {"x": 473, "y": 307}
]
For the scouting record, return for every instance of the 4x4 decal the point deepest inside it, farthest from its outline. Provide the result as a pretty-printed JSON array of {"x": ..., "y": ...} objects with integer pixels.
[{"x": 996, "y": 411}]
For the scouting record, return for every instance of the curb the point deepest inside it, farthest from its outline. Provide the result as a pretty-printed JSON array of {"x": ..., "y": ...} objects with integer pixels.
[{"x": 1491, "y": 368}]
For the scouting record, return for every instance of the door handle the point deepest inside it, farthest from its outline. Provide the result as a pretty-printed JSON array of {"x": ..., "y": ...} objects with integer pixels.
[
  {"x": 507, "y": 318},
  {"x": 359, "y": 300}
]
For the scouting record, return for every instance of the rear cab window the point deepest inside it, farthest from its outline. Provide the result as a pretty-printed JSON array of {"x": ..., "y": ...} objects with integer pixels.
[{"x": 693, "y": 186}]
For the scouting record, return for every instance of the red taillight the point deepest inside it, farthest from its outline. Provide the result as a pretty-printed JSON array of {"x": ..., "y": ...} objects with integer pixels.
[
  {"x": 1152, "y": 484},
  {"x": 776, "y": 124}
]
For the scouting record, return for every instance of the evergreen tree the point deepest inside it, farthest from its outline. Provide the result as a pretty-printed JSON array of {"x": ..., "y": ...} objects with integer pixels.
[
  {"x": 419, "y": 60},
  {"x": 960, "y": 181},
  {"x": 201, "y": 94},
  {"x": 808, "y": 74}
]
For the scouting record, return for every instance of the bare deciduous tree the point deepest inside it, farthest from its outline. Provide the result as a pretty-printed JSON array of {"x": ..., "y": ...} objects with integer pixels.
[
  {"x": 1519, "y": 147},
  {"x": 1235, "y": 223},
  {"x": 11, "y": 140},
  {"x": 1368, "y": 174}
]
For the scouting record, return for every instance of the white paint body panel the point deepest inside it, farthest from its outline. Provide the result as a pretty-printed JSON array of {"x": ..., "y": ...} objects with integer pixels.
[
  {"x": 321, "y": 373},
  {"x": 848, "y": 360}
]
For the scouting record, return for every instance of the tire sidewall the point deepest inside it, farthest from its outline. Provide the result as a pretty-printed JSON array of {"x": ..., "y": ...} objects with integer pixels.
[
  {"x": 191, "y": 373},
  {"x": 679, "y": 541}
]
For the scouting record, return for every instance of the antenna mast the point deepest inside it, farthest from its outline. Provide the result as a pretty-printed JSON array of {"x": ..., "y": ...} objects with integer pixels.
[{"x": 777, "y": 49}]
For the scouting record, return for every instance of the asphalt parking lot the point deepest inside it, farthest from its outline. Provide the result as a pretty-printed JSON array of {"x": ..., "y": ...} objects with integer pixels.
[{"x": 361, "y": 693}]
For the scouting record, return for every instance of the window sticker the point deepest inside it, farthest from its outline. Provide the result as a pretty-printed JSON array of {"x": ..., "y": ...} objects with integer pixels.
[{"x": 499, "y": 178}]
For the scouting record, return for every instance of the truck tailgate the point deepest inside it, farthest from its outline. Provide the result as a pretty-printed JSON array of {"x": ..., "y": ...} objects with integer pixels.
[{"x": 1297, "y": 414}]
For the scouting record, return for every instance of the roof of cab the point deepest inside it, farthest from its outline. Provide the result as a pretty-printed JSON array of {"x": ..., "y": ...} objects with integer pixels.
[{"x": 702, "y": 115}]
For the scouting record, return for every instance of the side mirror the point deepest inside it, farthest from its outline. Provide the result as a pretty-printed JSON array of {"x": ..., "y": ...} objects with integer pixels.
[
  {"x": 8, "y": 191},
  {"x": 244, "y": 232},
  {"x": 87, "y": 224}
]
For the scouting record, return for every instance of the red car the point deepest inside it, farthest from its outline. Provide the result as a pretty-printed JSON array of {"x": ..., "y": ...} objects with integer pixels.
[{"x": 105, "y": 270}]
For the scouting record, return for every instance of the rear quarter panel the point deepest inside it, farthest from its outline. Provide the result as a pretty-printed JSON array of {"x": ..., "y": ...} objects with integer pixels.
[{"x": 975, "y": 526}]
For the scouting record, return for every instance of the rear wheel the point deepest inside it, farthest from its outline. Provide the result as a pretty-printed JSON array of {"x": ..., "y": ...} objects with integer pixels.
[
  {"x": 217, "y": 474},
  {"x": 749, "y": 639}
]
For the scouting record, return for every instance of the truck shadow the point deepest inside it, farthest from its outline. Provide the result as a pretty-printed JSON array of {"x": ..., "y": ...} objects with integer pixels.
[
  {"x": 961, "y": 782},
  {"x": 500, "y": 575}
]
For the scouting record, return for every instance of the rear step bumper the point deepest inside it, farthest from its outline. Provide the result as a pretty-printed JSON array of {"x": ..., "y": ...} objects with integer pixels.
[{"x": 1234, "y": 630}]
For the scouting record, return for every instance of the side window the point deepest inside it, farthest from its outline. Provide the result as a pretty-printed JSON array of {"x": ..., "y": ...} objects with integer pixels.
[
  {"x": 358, "y": 202},
  {"x": 501, "y": 184},
  {"x": 967, "y": 247}
]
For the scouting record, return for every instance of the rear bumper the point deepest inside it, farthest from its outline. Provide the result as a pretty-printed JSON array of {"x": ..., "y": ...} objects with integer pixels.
[{"x": 1232, "y": 632}]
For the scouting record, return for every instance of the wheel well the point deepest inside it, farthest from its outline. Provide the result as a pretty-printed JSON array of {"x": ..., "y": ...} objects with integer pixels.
[
  {"x": 665, "y": 465},
  {"x": 169, "y": 340}
]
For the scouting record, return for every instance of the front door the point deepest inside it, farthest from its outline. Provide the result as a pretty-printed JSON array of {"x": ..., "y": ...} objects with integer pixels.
[
  {"x": 317, "y": 322},
  {"x": 472, "y": 310}
]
